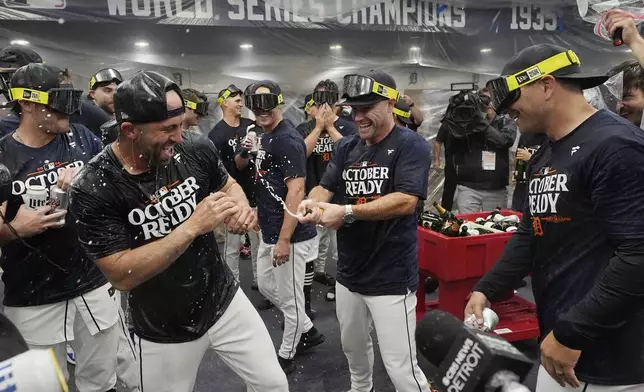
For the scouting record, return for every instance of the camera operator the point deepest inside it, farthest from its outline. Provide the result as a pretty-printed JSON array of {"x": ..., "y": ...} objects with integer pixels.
[{"x": 481, "y": 141}]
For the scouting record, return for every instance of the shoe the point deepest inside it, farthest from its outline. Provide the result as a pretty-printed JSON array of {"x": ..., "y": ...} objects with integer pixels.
[
  {"x": 264, "y": 304},
  {"x": 330, "y": 295},
  {"x": 71, "y": 357},
  {"x": 288, "y": 365},
  {"x": 324, "y": 278},
  {"x": 431, "y": 285},
  {"x": 254, "y": 286},
  {"x": 309, "y": 340}
]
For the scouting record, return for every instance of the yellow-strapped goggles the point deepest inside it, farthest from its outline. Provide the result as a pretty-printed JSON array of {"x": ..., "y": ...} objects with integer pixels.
[
  {"x": 201, "y": 108},
  {"x": 360, "y": 85},
  {"x": 309, "y": 104},
  {"x": 402, "y": 113},
  {"x": 231, "y": 90},
  {"x": 263, "y": 102},
  {"x": 506, "y": 89},
  {"x": 63, "y": 100}
]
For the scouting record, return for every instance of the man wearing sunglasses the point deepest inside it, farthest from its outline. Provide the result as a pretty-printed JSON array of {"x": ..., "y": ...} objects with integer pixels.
[
  {"x": 582, "y": 236},
  {"x": 196, "y": 108},
  {"x": 377, "y": 178},
  {"x": 230, "y": 138},
  {"x": 285, "y": 245},
  {"x": 53, "y": 293},
  {"x": 320, "y": 136}
]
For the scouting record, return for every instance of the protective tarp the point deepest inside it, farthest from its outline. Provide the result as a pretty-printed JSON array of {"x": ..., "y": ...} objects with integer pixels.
[{"x": 208, "y": 44}]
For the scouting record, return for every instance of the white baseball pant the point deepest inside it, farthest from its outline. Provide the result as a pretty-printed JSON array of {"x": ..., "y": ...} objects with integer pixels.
[
  {"x": 127, "y": 369},
  {"x": 231, "y": 251},
  {"x": 328, "y": 248},
  {"x": 394, "y": 317},
  {"x": 284, "y": 287},
  {"x": 239, "y": 337},
  {"x": 545, "y": 383},
  {"x": 89, "y": 323}
]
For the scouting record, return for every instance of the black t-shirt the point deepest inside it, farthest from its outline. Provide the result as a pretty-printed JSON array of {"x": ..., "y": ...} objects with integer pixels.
[
  {"x": 281, "y": 155},
  {"x": 118, "y": 211},
  {"x": 319, "y": 159},
  {"x": 9, "y": 124},
  {"x": 91, "y": 116},
  {"x": 31, "y": 278},
  {"x": 379, "y": 257},
  {"x": 582, "y": 238},
  {"x": 228, "y": 140}
]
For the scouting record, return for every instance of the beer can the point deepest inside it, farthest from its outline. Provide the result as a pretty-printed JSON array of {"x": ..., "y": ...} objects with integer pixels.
[
  {"x": 252, "y": 135},
  {"x": 34, "y": 370},
  {"x": 490, "y": 320},
  {"x": 59, "y": 199},
  {"x": 35, "y": 196}
]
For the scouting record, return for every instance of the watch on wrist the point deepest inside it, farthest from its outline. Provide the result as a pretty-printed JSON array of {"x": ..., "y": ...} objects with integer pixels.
[{"x": 349, "y": 218}]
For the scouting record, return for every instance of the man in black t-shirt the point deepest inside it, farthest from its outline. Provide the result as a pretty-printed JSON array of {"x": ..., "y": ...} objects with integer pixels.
[
  {"x": 449, "y": 183},
  {"x": 320, "y": 135},
  {"x": 377, "y": 178},
  {"x": 53, "y": 291},
  {"x": 229, "y": 136},
  {"x": 582, "y": 235},
  {"x": 285, "y": 245},
  {"x": 146, "y": 208}
]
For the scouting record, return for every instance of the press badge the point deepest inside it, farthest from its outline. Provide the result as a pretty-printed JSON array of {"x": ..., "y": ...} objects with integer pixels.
[{"x": 489, "y": 160}]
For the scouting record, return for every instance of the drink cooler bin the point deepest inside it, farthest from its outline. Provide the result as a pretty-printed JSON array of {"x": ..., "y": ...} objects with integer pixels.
[{"x": 458, "y": 263}]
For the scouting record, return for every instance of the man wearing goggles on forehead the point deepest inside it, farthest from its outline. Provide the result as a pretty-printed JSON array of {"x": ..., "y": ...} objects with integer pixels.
[
  {"x": 582, "y": 236},
  {"x": 98, "y": 106},
  {"x": 286, "y": 246},
  {"x": 53, "y": 291},
  {"x": 196, "y": 107},
  {"x": 232, "y": 139},
  {"x": 377, "y": 178},
  {"x": 320, "y": 136}
]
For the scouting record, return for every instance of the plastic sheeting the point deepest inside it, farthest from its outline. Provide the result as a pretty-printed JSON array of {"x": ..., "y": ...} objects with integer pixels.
[{"x": 206, "y": 44}]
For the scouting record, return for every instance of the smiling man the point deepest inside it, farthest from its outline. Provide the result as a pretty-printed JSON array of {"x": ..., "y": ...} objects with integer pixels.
[
  {"x": 147, "y": 206},
  {"x": 582, "y": 236},
  {"x": 377, "y": 177}
]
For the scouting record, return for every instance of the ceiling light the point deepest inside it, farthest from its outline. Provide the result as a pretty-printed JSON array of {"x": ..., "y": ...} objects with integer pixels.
[
  {"x": 141, "y": 44},
  {"x": 486, "y": 50},
  {"x": 19, "y": 42},
  {"x": 335, "y": 47},
  {"x": 246, "y": 46},
  {"x": 414, "y": 48}
]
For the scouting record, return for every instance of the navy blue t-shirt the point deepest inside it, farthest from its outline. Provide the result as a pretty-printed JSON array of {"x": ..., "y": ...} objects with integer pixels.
[
  {"x": 281, "y": 155},
  {"x": 582, "y": 238},
  {"x": 91, "y": 116},
  {"x": 378, "y": 257},
  {"x": 319, "y": 159},
  {"x": 61, "y": 270},
  {"x": 9, "y": 124}
]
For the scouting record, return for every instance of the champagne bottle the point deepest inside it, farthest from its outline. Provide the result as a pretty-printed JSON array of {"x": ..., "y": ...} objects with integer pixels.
[
  {"x": 447, "y": 215},
  {"x": 519, "y": 172},
  {"x": 452, "y": 228}
]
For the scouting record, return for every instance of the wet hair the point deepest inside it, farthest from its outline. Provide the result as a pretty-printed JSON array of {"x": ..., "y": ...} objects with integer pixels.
[
  {"x": 193, "y": 95},
  {"x": 327, "y": 85},
  {"x": 633, "y": 75}
]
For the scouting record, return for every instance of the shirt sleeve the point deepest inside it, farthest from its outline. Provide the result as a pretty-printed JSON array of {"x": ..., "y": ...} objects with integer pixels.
[
  {"x": 350, "y": 128},
  {"x": 411, "y": 171},
  {"x": 616, "y": 181},
  {"x": 333, "y": 170},
  {"x": 102, "y": 231},
  {"x": 291, "y": 153},
  {"x": 505, "y": 136},
  {"x": 514, "y": 264}
]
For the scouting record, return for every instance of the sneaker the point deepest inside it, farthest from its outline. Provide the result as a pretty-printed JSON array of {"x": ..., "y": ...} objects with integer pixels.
[
  {"x": 71, "y": 357},
  {"x": 330, "y": 295},
  {"x": 254, "y": 286},
  {"x": 309, "y": 340},
  {"x": 264, "y": 304},
  {"x": 431, "y": 285},
  {"x": 324, "y": 278},
  {"x": 288, "y": 365}
]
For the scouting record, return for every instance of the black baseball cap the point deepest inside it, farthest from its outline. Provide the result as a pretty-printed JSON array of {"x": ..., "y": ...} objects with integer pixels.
[
  {"x": 357, "y": 88},
  {"x": 43, "y": 84},
  {"x": 18, "y": 56},
  {"x": 142, "y": 99},
  {"x": 535, "y": 54},
  {"x": 403, "y": 107}
]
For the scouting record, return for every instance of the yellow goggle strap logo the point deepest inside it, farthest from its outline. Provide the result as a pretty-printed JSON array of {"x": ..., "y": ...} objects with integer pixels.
[{"x": 384, "y": 91}]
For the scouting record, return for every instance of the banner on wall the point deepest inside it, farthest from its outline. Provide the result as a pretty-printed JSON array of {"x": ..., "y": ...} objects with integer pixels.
[{"x": 393, "y": 15}]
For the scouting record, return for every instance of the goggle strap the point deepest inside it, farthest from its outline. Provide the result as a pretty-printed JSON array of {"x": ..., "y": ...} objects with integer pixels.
[
  {"x": 309, "y": 104},
  {"x": 541, "y": 69},
  {"x": 92, "y": 82},
  {"x": 190, "y": 104},
  {"x": 29, "y": 95},
  {"x": 402, "y": 113},
  {"x": 224, "y": 96},
  {"x": 384, "y": 91}
]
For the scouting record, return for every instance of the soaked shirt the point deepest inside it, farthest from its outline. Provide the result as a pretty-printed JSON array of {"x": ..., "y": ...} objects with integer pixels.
[
  {"x": 281, "y": 155},
  {"x": 319, "y": 159},
  {"x": 582, "y": 238},
  {"x": 378, "y": 257},
  {"x": 118, "y": 211},
  {"x": 54, "y": 267}
]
